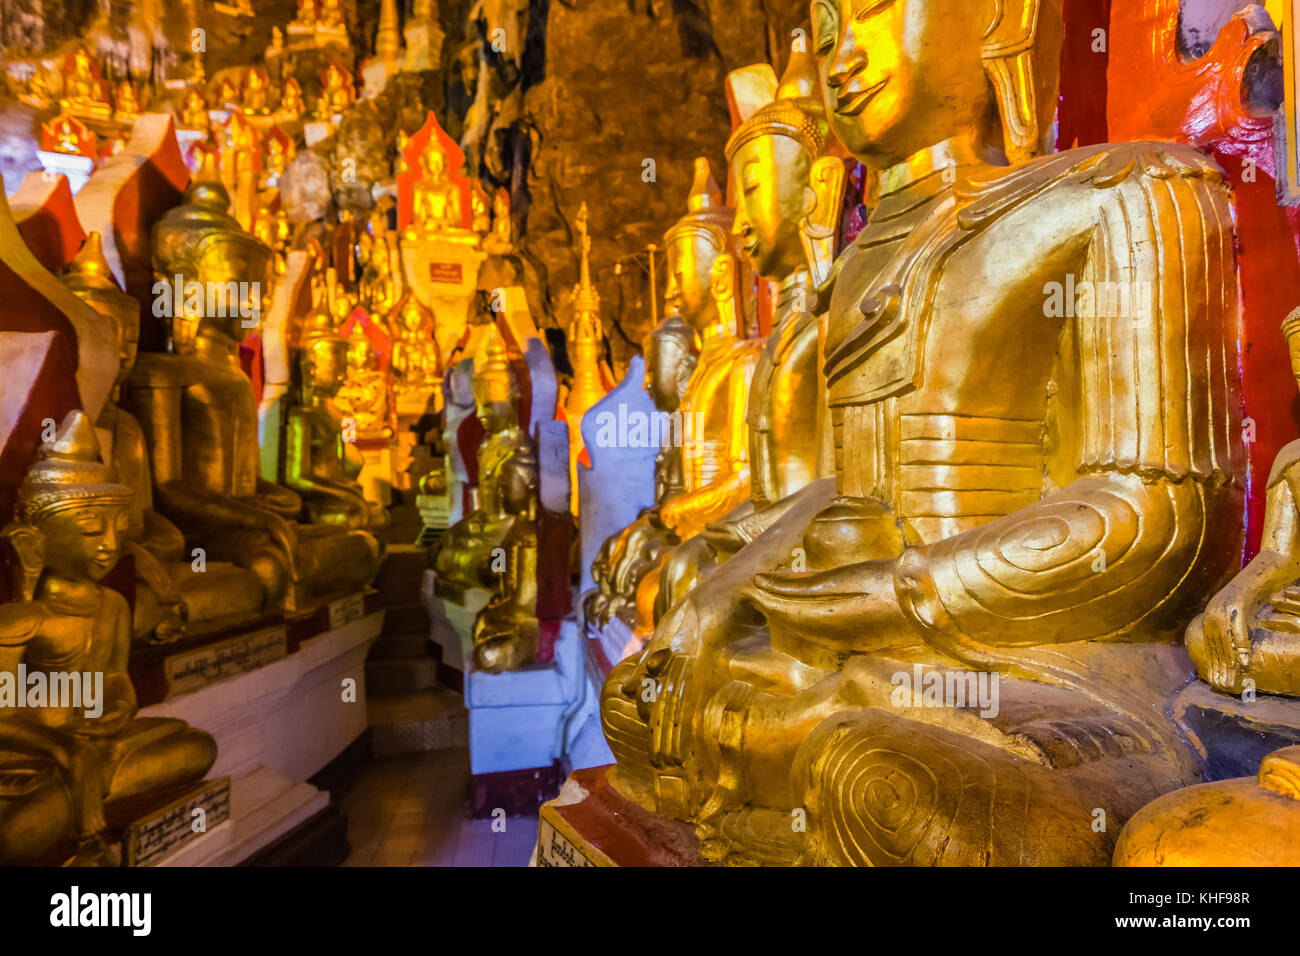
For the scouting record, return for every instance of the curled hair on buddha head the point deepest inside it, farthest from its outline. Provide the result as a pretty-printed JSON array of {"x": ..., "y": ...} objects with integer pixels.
[
  {"x": 68, "y": 473},
  {"x": 796, "y": 112},
  {"x": 707, "y": 214}
]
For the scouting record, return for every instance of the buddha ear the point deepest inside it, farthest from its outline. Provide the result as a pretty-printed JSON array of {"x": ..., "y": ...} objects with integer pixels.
[{"x": 1021, "y": 49}]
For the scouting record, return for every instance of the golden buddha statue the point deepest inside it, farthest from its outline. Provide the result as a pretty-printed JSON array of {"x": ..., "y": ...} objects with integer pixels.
[
  {"x": 701, "y": 290},
  {"x": 480, "y": 209},
  {"x": 199, "y": 416},
  {"x": 336, "y": 93},
  {"x": 171, "y": 597},
  {"x": 362, "y": 399},
  {"x": 256, "y": 89},
  {"x": 377, "y": 287},
  {"x": 307, "y": 11},
  {"x": 1054, "y": 529},
  {"x": 435, "y": 199},
  {"x": 66, "y": 774},
  {"x": 505, "y": 459},
  {"x": 777, "y": 161},
  {"x": 126, "y": 105},
  {"x": 1249, "y": 635},
  {"x": 417, "y": 360},
  {"x": 226, "y": 95},
  {"x": 275, "y": 158},
  {"x": 84, "y": 93},
  {"x": 331, "y": 13},
  {"x": 291, "y": 99},
  {"x": 194, "y": 111},
  {"x": 65, "y": 136},
  {"x": 319, "y": 464}
]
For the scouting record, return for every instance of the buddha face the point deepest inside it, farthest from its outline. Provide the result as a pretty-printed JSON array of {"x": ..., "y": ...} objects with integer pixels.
[
  {"x": 770, "y": 176},
  {"x": 325, "y": 364},
  {"x": 237, "y": 272},
  {"x": 901, "y": 75},
  {"x": 435, "y": 164},
  {"x": 666, "y": 367},
  {"x": 83, "y": 543},
  {"x": 128, "y": 344},
  {"x": 690, "y": 254}
]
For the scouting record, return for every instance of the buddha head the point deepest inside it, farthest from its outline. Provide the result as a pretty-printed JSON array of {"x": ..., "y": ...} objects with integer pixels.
[
  {"x": 360, "y": 354},
  {"x": 71, "y": 504},
  {"x": 495, "y": 389},
  {"x": 692, "y": 245},
  {"x": 670, "y": 358},
  {"x": 323, "y": 359},
  {"x": 202, "y": 243},
  {"x": 771, "y": 159},
  {"x": 902, "y": 75},
  {"x": 434, "y": 163},
  {"x": 89, "y": 276}
]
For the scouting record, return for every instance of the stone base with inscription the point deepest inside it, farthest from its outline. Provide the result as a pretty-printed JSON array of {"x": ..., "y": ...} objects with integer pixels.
[
  {"x": 282, "y": 702},
  {"x": 591, "y": 824}
]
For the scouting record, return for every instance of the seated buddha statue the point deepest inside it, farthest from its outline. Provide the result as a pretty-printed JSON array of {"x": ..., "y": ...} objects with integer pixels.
[
  {"x": 318, "y": 463},
  {"x": 670, "y": 356},
  {"x": 435, "y": 199},
  {"x": 291, "y": 100},
  {"x": 199, "y": 416},
  {"x": 194, "y": 111},
  {"x": 362, "y": 398},
  {"x": 505, "y": 457},
  {"x": 1249, "y": 635},
  {"x": 711, "y": 413},
  {"x": 336, "y": 92},
  {"x": 126, "y": 105},
  {"x": 377, "y": 286},
  {"x": 256, "y": 83},
  {"x": 171, "y": 596},
  {"x": 777, "y": 160},
  {"x": 417, "y": 362},
  {"x": 84, "y": 93},
  {"x": 1054, "y": 529},
  {"x": 63, "y": 771}
]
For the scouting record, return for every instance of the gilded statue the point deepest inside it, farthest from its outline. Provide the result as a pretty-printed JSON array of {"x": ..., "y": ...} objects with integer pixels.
[
  {"x": 84, "y": 93},
  {"x": 362, "y": 398},
  {"x": 291, "y": 99},
  {"x": 126, "y": 105},
  {"x": 435, "y": 199},
  {"x": 199, "y": 416},
  {"x": 256, "y": 91},
  {"x": 788, "y": 195},
  {"x": 319, "y": 463},
  {"x": 1049, "y": 533},
  {"x": 194, "y": 111},
  {"x": 66, "y": 772},
  {"x": 506, "y": 458},
  {"x": 171, "y": 596},
  {"x": 336, "y": 93},
  {"x": 417, "y": 361}
]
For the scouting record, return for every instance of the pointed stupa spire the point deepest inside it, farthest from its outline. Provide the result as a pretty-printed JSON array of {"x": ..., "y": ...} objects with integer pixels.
[
  {"x": 90, "y": 268},
  {"x": 586, "y": 301},
  {"x": 705, "y": 192},
  {"x": 388, "y": 39}
]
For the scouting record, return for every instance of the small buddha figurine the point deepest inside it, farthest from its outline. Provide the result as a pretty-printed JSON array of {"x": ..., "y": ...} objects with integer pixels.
[
  {"x": 38, "y": 92},
  {"x": 194, "y": 111},
  {"x": 331, "y": 13},
  {"x": 336, "y": 93},
  {"x": 78, "y": 771},
  {"x": 171, "y": 596},
  {"x": 505, "y": 459},
  {"x": 319, "y": 464},
  {"x": 256, "y": 83},
  {"x": 67, "y": 138},
  {"x": 84, "y": 93},
  {"x": 126, "y": 106},
  {"x": 500, "y": 241},
  {"x": 417, "y": 361},
  {"x": 291, "y": 101},
  {"x": 199, "y": 415},
  {"x": 226, "y": 95},
  {"x": 275, "y": 159},
  {"x": 480, "y": 211},
  {"x": 435, "y": 199},
  {"x": 1056, "y": 528},
  {"x": 1249, "y": 635},
  {"x": 307, "y": 11},
  {"x": 377, "y": 287},
  {"x": 362, "y": 398}
]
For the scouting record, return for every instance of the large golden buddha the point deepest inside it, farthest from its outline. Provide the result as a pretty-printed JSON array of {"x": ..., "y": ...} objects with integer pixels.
[
  {"x": 199, "y": 415},
  {"x": 1031, "y": 493}
]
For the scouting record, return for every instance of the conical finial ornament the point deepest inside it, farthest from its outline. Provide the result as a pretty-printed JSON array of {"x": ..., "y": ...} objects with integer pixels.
[
  {"x": 89, "y": 268},
  {"x": 705, "y": 192},
  {"x": 388, "y": 39},
  {"x": 68, "y": 472},
  {"x": 586, "y": 301}
]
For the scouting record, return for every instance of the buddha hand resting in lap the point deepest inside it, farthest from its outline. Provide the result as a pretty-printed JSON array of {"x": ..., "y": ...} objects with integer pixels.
[
  {"x": 64, "y": 769},
  {"x": 1021, "y": 491}
]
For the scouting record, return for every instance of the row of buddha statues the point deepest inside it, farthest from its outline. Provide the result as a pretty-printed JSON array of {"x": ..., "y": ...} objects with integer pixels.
[{"x": 920, "y": 467}]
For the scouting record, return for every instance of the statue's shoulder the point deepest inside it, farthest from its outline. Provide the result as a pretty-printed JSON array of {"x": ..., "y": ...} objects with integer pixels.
[
  {"x": 1099, "y": 170},
  {"x": 160, "y": 370}
]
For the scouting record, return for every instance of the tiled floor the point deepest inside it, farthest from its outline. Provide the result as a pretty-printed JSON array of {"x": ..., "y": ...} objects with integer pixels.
[{"x": 412, "y": 810}]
